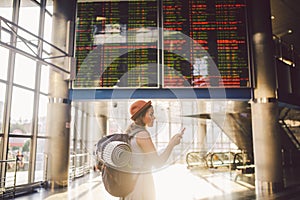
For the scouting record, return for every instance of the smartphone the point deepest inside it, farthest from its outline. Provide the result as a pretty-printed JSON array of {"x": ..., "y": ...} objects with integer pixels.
[{"x": 182, "y": 131}]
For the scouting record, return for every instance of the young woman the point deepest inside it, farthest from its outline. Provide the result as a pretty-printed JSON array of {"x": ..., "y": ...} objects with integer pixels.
[{"x": 145, "y": 156}]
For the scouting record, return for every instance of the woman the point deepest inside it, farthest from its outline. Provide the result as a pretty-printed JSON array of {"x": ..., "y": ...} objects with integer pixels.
[{"x": 145, "y": 156}]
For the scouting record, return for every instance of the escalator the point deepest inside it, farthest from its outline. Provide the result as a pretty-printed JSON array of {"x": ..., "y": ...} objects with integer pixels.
[
  {"x": 289, "y": 124},
  {"x": 236, "y": 124}
]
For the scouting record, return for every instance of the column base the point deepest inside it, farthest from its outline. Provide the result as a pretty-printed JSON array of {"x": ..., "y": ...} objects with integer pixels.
[
  {"x": 57, "y": 184},
  {"x": 267, "y": 188}
]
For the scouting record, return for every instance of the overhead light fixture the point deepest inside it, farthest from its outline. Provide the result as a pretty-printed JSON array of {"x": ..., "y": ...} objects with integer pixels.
[
  {"x": 286, "y": 61},
  {"x": 287, "y": 32},
  {"x": 272, "y": 17}
]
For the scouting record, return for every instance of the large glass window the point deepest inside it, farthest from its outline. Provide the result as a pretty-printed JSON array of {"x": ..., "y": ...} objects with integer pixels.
[
  {"x": 24, "y": 71},
  {"x": 21, "y": 111},
  {"x": 24, "y": 79},
  {"x": 2, "y": 100}
]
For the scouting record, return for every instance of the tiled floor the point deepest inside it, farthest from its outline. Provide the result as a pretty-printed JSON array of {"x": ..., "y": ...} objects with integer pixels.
[{"x": 176, "y": 183}]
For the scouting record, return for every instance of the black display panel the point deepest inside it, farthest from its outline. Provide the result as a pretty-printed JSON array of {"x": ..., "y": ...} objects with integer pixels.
[
  {"x": 170, "y": 43},
  {"x": 116, "y": 44},
  {"x": 212, "y": 36}
]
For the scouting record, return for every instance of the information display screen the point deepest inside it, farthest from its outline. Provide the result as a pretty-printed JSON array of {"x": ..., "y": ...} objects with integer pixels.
[
  {"x": 168, "y": 43},
  {"x": 212, "y": 36},
  {"x": 116, "y": 44}
]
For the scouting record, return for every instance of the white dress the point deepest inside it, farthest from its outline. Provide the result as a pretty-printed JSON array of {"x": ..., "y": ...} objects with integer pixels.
[{"x": 144, "y": 188}]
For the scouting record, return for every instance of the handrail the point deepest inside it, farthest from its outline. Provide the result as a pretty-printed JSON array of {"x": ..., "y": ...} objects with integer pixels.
[
  {"x": 5, "y": 161},
  {"x": 79, "y": 167},
  {"x": 6, "y": 190}
]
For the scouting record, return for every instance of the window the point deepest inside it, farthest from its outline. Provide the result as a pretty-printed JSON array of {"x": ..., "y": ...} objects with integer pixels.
[
  {"x": 21, "y": 111},
  {"x": 24, "y": 71},
  {"x": 24, "y": 88}
]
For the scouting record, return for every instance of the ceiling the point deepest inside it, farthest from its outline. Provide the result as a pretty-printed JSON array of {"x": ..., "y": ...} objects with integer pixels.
[{"x": 286, "y": 16}]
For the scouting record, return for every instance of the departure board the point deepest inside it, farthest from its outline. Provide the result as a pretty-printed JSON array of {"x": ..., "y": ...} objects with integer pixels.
[
  {"x": 116, "y": 44},
  {"x": 167, "y": 43},
  {"x": 212, "y": 37}
]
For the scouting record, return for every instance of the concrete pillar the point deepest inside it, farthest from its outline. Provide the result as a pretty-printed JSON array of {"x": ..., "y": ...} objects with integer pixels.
[
  {"x": 266, "y": 135},
  {"x": 59, "y": 108}
]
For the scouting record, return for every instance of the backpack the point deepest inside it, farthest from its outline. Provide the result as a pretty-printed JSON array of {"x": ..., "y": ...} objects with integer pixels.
[{"x": 114, "y": 153}]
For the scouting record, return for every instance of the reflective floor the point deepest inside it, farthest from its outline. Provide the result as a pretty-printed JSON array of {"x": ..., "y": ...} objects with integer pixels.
[{"x": 177, "y": 183}]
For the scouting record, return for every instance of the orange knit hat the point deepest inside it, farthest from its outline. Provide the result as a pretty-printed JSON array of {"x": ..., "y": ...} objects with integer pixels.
[{"x": 138, "y": 107}]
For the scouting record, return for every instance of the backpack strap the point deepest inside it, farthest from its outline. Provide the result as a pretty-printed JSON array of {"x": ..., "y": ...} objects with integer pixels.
[{"x": 133, "y": 129}]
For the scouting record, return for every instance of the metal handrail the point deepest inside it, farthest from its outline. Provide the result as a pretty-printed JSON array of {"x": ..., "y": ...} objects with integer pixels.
[
  {"x": 5, "y": 191},
  {"x": 78, "y": 170}
]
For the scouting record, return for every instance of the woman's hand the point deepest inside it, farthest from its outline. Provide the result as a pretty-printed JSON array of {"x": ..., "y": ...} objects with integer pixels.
[
  {"x": 176, "y": 139},
  {"x": 144, "y": 141}
]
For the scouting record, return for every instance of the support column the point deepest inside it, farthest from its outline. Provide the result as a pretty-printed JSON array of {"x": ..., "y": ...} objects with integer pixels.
[
  {"x": 266, "y": 134},
  {"x": 202, "y": 130},
  {"x": 59, "y": 108}
]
